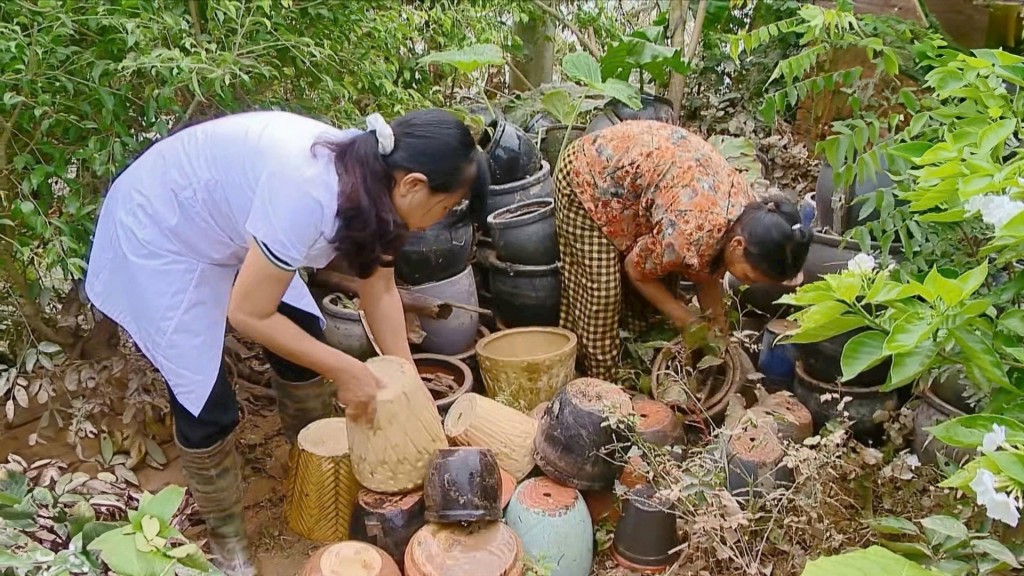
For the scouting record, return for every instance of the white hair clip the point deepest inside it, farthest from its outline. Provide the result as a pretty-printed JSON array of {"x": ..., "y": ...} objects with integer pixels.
[{"x": 385, "y": 136}]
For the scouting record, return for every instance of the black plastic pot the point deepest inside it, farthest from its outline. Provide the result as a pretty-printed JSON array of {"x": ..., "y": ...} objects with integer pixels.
[
  {"x": 574, "y": 445},
  {"x": 512, "y": 152},
  {"x": 525, "y": 295},
  {"x": 524, "y": 233},
  {"x": 463, "y": 485},
  {"x": 822, "y": 361},
  {"x": 651, "y": 108},
  {"x": 863, "y": 405},
  {"x": 437, "y": 253},
  {"x": 646, "y": 534},
  {"x": 387, "y": 521},
  {"x": 539, "y": 185},
  {"x": 602, "y": 121}
]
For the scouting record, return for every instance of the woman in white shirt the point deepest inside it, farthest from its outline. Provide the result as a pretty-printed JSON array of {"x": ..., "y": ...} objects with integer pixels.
[{"x": 211, "y": 224}]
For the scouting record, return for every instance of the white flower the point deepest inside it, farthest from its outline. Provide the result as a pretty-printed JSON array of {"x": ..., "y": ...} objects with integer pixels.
[
  {"x": 993, "y": 440},
  {"x": 861, "y": 264},
  {"x": 998, "y": 506},
  {"x": 995, "y": 210}
]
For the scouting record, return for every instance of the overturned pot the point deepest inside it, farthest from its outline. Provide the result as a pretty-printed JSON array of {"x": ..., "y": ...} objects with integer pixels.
[
  {"x": 344, "y": 329},
  {"x": 524, "y": 233},
  {"x": 512, "y": 153},
  {"x": 463, "y": 485},
  {"x": 646, "y": 538},
  {"x": 388, "y": 521}
]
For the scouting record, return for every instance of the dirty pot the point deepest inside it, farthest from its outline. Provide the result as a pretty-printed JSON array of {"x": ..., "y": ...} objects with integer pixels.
[
  {"x": 601, "y": 121},
  {"x": 437, "y": 364},
  {"x": 512, "y": 153},
  {"x": 652, "y": 107},
  {"x": 525, "y": 295},
  {"x": 931, "y": 411},
  {"x": 552, "y": 137},
  {"x": 455, "y": 334},
  {"x": 863, "y": 404},
  {"x": 523, "y": 367},
  {"x": 646, "y": 534},
  {"x": 490, "y": 549},
  {"x": 388, "y": 521},
  {"x": 463, "y": 485},
  {"x": 350, "y": 559},
  {"x": 822, "y": 361},
  {"x": 344, "y": 329},
  {"x": 524, "y": 233},
  {"x": 711, "y": 394},
  {"x": 437, "y": 253},
  {"x": 825, "y": 190},
  {"x": 555, "y": 526},
  {"x": 531, "y": 187}
]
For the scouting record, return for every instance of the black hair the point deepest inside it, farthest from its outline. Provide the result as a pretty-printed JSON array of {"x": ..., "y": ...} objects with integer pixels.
[
  {"x": 775, "y": 241},
  {"x": 432, "y": 142}
]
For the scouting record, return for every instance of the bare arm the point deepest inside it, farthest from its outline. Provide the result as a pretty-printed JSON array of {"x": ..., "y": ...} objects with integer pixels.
[
  {"x": 380, "y": 301},
  {"x": 710, "y": 295}
]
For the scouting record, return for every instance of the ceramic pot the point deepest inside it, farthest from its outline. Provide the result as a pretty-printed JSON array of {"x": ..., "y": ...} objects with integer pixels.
[
  {"x": 488, "y": 115},
  {"x": 436, "y": 364},
  {"x": 455, "y": 334},
  {"x": 552, "y": 137},
  {"x": 790, "y": 419},
  {"x": 463, "y": 485},
  {"x": 864, "y": 403},
  {"x": 524, "y": 233},
  {"x": 538, "y": 411},
  {"x": 350, "y": 559},
  {"x": 388, "y": 521},
  {"x": 822, "y": 361},
  {"x": 953, "y": 389},
  {"x": 574, "y": 445},
  {"x": 393, "y": 458},
  {"x": 538, "y": 122},
  {"x": 437, "y": 253},
  {"x": 554, "y": 525},
  {"x": 534, "y": 186},
  {"x": 601, "y": 121},
  {"x": 513, "y": 155},
  {"x": 320, "y": 492},
  {"x": 652, "y": 107},
  {"x": 712, "y": 393},
  {"x": 777, "y": 361},
  {"x": 930, "y": 411},
  {"x": 526, "y": 295},
  {"x": 808, "y": 211},
  {"x": 491, "y": 549},
  {"x": 825, "y": 190},
  {"x": 754, "y": 455},
  {"x": 523, "y": 367},
  {"x": 508, "y": 488},
  {"x": 344, "y": 329},
  {"x": 646, "y": 534},
  {"x": 602, "y": 505},
  {"x": 658, "y": 424},
  {"x": 476, "y": 420}
]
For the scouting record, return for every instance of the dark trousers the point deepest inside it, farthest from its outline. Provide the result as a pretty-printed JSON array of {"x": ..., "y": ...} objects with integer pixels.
[{"x": 219, "y": 415}]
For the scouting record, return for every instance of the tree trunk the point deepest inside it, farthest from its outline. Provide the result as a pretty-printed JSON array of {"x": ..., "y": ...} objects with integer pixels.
[
  {"x": 538, "y": 58},
  {"x": 677, "y": 13}
]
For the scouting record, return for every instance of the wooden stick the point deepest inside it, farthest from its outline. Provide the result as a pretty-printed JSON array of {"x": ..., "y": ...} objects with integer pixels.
[
  {"x": 411, "y": 302},
  {"x": 470, "y": 308},
  {"x": 369, "y": 333}
]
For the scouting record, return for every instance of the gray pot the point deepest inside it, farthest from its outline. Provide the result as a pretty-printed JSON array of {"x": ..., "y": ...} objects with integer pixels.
[
  {"x": 825, "y": 189},
  {"x": 524, "y": 233},
  {"x": 863, "y": 404},
  {"x": 525, "y": 295},
  {"x": 931, "y": 411},
  {"x": 457, "y": 333},
  {"x": 344, "y": 329},
  {"x": 503, "y": 195}
]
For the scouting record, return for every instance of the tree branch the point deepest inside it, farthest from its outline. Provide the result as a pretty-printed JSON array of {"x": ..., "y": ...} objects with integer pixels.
[
  {"x": 677, "y": 33},
  {"x": 29, "y": 309},
  {"x": 698, "y": 29},
  {"x": 584, "y": 40},
  {"x": 193, "y": 11}
]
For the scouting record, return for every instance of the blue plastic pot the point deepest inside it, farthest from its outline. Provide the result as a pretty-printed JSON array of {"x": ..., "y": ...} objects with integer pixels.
[{"x": 777, "y": 362}]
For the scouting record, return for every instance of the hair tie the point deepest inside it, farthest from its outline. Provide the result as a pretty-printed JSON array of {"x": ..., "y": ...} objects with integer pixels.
[
  {"x": 385, "y": 136},
  {"x": 797, "y": 226}
]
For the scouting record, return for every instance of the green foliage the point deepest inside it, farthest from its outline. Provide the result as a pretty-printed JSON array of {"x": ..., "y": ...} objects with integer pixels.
[
  {"x": 643, "y": 50},
  {"x": 468, "y": 59},
  {"x": 874, "y": 560}
]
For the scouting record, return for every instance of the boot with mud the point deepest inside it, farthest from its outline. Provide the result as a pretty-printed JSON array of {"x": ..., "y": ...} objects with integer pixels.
[
  {"x": 214, "y": 476},
  {"x": 299, "y": 403}
]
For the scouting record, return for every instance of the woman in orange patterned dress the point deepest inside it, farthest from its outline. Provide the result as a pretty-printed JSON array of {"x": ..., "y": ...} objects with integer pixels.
[{"x": 646, "y": 201}]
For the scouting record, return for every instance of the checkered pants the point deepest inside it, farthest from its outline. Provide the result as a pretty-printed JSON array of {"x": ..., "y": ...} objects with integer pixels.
[{"x": 596, "y": 299}]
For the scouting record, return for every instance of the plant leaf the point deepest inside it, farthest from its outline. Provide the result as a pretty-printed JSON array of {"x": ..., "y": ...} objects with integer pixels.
[
  {"x": 968, "y": 431},
  {"x": 945, "y": 525},
  {"x": 1011, "y": 464},
  {"x": 892, "y": 525},
  {"x": 468, "y": 59},
  {"x": 995, "y": 134},
  {"x": 621, "y": 91},
  {"x": 907, "y": 366},
  {"x": 862, "y": 352},
  {"x": 1013, "y": 321},
  {"x": 560, "y": 105},
  {"x": 581, "y": 67},
  {"x": 164, "y": 504},
  {"x": 908, "y": 332},
  {"x": 996, "y": 550},
  {"x": 981, "y": 363},
  {"x": 873, "y": 560},
  {"x": 150, "y": 527}
]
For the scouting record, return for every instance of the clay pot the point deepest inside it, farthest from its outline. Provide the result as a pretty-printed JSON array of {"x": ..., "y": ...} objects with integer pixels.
[
  {"x": 463, "y": 485},
  {"x": 574, "y": 446},
  {"x": 777, "y": 361},
  {"x": 469, "y": 359},
  {"x": 713, "y": 393},
  {"x": 525, "y": 295},
  {"x": 652, "y": 107},
  {"x": 601, "y": 121},
  {"x": 388, "y": 521},
  {"x": 602, "y": 505},
  {"x": 538, "y": 122},
  {"x": 488, "y": 115},
  {"x": 523, "y": 367},
  {"x": 344, "y": 329},
  {"x": 822, "y": 361},
  {"x": 320, "y": 492},
  {"x": 536, "y": 185},
  {"x": 554, "y": 525},
  {"x": 350, "y": 559},
  {"x": 491, "y": 549},
  {"x": 552, "y": 137},
  {"x": 792, "y": 420},
  {"x": 393, "y": 458},
  {"x": 864, "y": 403},
  {"x": 508, "y": 488},
  {"x": 524, "y": 233},
  {"x": 646, "y": 534},
  {"x": 512, "y": 153},
  {"x": 658, "y": 424},
  {"x": 428, "y": 364},
  {"x": 930, "y": 411},
  {"x": 455, "y": 334},
  {"x": 538, "y": 411},
  {"x": 954, "y": 389},
  {"x": 633, "y": 473},
  {"x": 437, "y": 253},
  {"x": 754, "y": 456},
  {"x": 476, "y": 420}
]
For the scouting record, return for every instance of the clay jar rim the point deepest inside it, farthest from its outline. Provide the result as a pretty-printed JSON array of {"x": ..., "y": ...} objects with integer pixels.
[
  {"x": 715, "y": 400},
  {"x": 489, "y": 259},
  {"x": 521, "y": 214},
  {"x": 518, "y": 185},
  {"x": 459, "y": 365},
  {"x": 335, "y": 310},
  {"x": 570, "y": 344},
  {"x": 853, "y": 391},
  {"x": 941, "y": 405}
]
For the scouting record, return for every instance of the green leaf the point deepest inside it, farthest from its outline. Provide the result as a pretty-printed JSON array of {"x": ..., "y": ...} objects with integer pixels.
[
  {"x": 1011, "y": 464},
  {"x": 971, "y": 280},
  {"x": 913, "y": 551},
  {"x": 949, "y": 290},
  {"x": 908, "y": 366},
  {"x": 150, "y": 527},
  {"x": 468, "y": 59},
  {"x": 968, "y": 431},
  {"x": 559, "y": 104},
  {"x": 621, "y": 91},
  {"x": 837, "y": 326},
  {"x": 873, "y": 560},
  {"x": 94, "y": 530},
  {"x": 164, "y": 504},
  {"x": 862, "y": 352},
  {"x": 995, "y": 134},
  {"x": 947, "y": 526},
  {"x": 981, "y": 363},
  {"x": 909, "y": 150},
  {"x": 80, "y": 516},
  {"x": 819, "y": 314},
  {"x": 846, "y": 286},
  {"x": 908, "y": 332},
  {"x": 1013, "y": 321},
  {"x": 581, "y": 67},
  {"x": 996, "y": 550},
  {"x": 892, "y": 525}
]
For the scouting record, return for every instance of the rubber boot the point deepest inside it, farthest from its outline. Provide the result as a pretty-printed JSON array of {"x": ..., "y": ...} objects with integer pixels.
[
  {"x": 214, "y": 476},
  {"x": 299, "y": 403}
]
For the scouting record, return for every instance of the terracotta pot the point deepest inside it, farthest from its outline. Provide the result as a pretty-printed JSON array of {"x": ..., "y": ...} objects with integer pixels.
[
  {"x": 512, "y": 153},
  {"x": 777, "y": 361},
  {"x": 437, "y": 253},
  {"x": 431, "y": 364},
  {"x": 633, "y": 473},
  {"x": 554, "y": 525},
  {"x": 864, "y": 403},
  {"x": 455, "y": 334},
  {"x": 350, "y": 559},
  {"x": 822, "y": 361},
  {"x": 391, "y": 455},
  {"x": 508, "y": 488},
  {"x": 930, "y": 411},
  {"x": 523, "y": 367},
  {"x": 524, "y": 233},
  {"x": 792, "y": 420},
  {"x": 602, "y": 505},
  {"x": 344, "y": 329},
  {"x": 476, "y": 420},
  {"x": 537, "y": 185},
  {"x": 754, "y": 457},
  {"x": 646, "y": 534},
  {"x": 538, "y": 411},
  {"x": 491, "y": 549},
  {"x": 321, "y": 488},
  {"x": 463, "y": 485},
  {"x": 526, "y": 295},
  {"x": 658, "y": 424},
  {"x": 711, "y": 397},
  {"x": 574, "y": 446},
  {"x": 388, "y": 521}
]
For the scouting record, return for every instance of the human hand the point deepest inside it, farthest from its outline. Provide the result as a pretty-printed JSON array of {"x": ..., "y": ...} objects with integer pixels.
[{"x": 357, "y": 392}]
